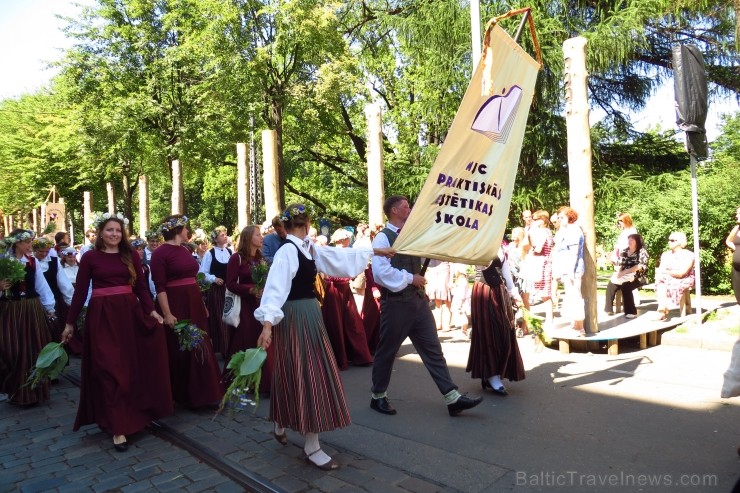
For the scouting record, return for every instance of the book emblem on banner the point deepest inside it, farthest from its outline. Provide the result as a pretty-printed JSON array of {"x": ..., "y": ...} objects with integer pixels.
[{"x": 496, "y": 116}]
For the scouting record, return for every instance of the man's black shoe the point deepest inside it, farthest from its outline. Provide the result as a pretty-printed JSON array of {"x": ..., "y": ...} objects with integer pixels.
[
  {"x": 463, "y": 403},
  {"x": 382, "y": 406}
]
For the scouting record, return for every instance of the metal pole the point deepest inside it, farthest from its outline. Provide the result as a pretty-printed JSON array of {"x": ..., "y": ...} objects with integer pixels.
[
  {"x": 475, "y": 32},
  {"x": 697, "y": 256}
]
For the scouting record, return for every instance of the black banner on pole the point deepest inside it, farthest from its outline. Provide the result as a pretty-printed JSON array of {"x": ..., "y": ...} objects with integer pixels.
[{"x": 690, "y": 84}]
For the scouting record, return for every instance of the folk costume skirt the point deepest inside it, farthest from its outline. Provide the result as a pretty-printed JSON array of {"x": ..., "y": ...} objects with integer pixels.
[
  {"x": 194, "y": 375},
  {"x": 307, "y": 394},
  {"x": 493, "y": 345},
  {"x": 125, "y": 378},
  {"x": 217, "y": 328},
  {"x": 245, "y": 336},
  {"x": 24, "y": 332},
  {"x": 344, "y": 325}
]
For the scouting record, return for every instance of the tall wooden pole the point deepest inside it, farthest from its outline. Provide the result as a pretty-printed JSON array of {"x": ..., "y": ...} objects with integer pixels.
[
  {"x": 375, "y": 191},
  {"x": 579, "y": 166},
  {"x": 87, "y": 208},
  {"x": 270, "y": 173},
  {"x": 111, "y": 197},
  {"x": 242, "y": 187},
  {"x": 35, "y": 213},
  {"x": 177, "y": 188},
  {"x": 143, "y": 205}
]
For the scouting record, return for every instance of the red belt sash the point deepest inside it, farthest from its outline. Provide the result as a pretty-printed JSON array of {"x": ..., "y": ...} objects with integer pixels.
[
  {"x": 111, "y": 291},
  {"x": 181, "y": 282}
]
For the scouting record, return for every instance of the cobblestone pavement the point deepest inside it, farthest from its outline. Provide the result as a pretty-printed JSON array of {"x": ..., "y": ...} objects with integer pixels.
[{"x": 580, "y": 417}]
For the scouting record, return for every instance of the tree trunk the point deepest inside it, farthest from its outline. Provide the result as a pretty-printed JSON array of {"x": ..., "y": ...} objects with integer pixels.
[
  {"x": 276, "y": 117},
  {"x": 128, "y": 193},
  {"x": 579, "y": 166},
  {"x": 375, "y": 192}
]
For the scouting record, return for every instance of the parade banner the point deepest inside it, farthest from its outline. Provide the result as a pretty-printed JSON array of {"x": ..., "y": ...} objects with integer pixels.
[
  {"x": 461, "y": 212},
  {"x": 54, "y": 212}
]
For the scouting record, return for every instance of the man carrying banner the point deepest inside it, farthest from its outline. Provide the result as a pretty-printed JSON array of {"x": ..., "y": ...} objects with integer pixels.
[{"x": 404, "y": 312}]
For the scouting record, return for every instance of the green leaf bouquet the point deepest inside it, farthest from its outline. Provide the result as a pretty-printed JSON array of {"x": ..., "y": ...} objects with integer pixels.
[{"x": 246, "y": 368}]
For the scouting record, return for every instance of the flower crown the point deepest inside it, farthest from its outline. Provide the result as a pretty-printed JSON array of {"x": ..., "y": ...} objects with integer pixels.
[
  {"x": 42, "y": 242},
  {"x": 101, "y": 218},
  {"x": 23, "y": 235},
  {"x": 216, "y": 231},
  {"x": 152, "y": 235},
  {"x": 138, "y": 243},
  {"x": 173, "y": 223},
  {"x": 294, "y": 211},
  {"x": 199, "y": 238}
]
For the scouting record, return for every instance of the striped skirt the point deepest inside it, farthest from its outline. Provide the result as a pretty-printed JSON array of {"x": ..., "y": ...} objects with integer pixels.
[
  {"x": 307, "y": 394},
  {"x": 24, "y": 331}
]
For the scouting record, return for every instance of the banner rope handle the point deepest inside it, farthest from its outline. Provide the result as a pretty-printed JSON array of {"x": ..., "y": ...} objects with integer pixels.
[{"x": 490, "y": 24}]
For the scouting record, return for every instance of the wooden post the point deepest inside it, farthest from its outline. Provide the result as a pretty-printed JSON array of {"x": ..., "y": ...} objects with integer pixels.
[
  {"x": 111, "y": 197},
  {"x": 375, "y": 190},
  {"x": 177, "y": 189},
  {"x": 270, "y": 173},
  {"x": 35, "y": 213},
  {"x": 579, "y": 166},
  {"x": 43, "y": 215},
  {"x": 11, "y": 226},
  {"x": 143, "y": 205},
  {"x": 242, "y": 187},
  {"x": 87, "y": 208}
]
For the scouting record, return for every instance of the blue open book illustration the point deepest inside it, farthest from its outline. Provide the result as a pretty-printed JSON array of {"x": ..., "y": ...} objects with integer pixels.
[{"x": 496, "y": 116}]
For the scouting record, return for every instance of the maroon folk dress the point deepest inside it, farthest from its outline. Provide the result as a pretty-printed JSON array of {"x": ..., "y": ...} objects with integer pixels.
[
  {"x": 239, "y": 281},
  {"x": 344, "y": 325},
  {"x": 195, "y": 375},
  {"x": 371, "y": 311},
  {"x": 125, "y": 379}
]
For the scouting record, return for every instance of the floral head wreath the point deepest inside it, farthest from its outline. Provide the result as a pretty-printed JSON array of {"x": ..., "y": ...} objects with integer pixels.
[
  {"x": 292, "y": 212},
  {"x": 173, "y": 223},
  {"x": 152, "y": 235},
  {"x": 23, "y": 235},
  {"x": 42, "y": 242},
  {"x": 138, "y": 243},
  {"x": 216, "y": 231},
  {"x": 101, "y": 218},
  {"x": 199, "y": 237}
]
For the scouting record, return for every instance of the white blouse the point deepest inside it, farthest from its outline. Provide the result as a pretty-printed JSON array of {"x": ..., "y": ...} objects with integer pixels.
[
  {"x": 223, "y": 255},
  {"x": 336, "y": 262}
]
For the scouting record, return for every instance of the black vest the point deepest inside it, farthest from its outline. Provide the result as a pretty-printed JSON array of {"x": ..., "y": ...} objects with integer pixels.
[
  {"x": 303, "y": 283},
  {"x": 218, "y": 269},
  {"x": 403, "y": 262},
  {"x": 51, "y": 277},
  {"x": 492, "y": 275}
]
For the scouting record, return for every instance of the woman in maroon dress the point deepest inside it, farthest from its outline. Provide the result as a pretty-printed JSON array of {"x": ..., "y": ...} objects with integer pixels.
[
  {"x": 341, "y": 318},
  {"x": 195, "y": 375},
  {"x": 125, "y": 380},
  {"x": 240, "y": 282}
]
